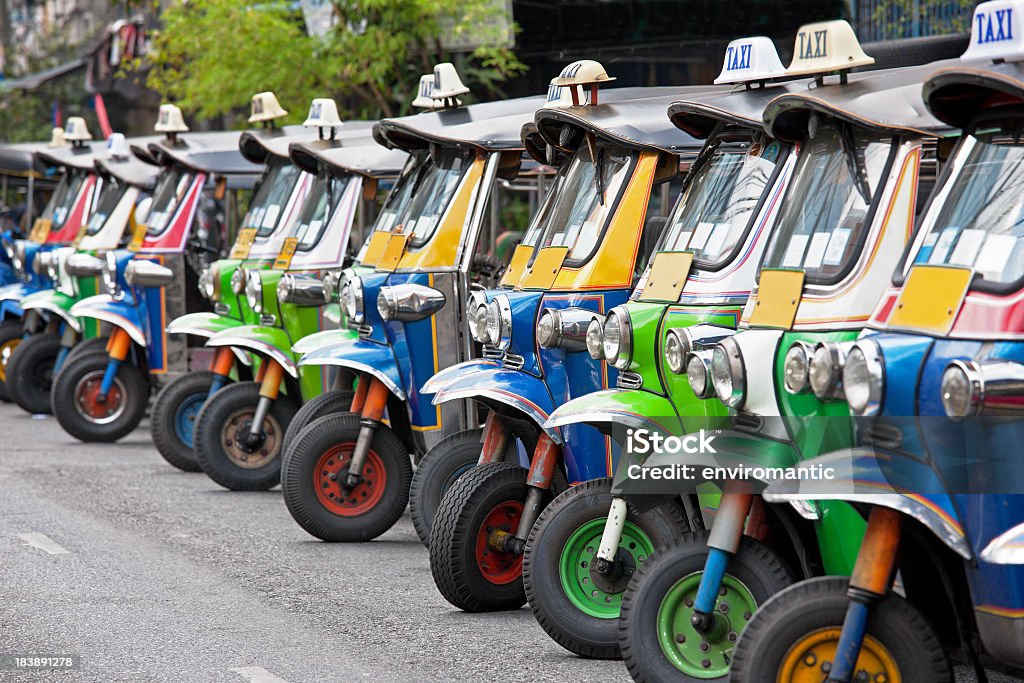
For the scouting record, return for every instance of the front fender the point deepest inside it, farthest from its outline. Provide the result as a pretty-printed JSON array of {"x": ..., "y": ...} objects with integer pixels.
[
  {"x": 272, "y": 342},
  {"x": 876, "y": 477},
  {"x": 522, "y": 391},
  {"x": 16, "y": 291},
  {"x": 621, "y": 407},
  {"x": 206, "y": 325},
  {"x": 55, "y": 302},
  {"x": 375, "y": 359},
  {"x": 454, "y": 372},
  {"x": 323, "y": 338},
  {"x": 118, "y": 313}
]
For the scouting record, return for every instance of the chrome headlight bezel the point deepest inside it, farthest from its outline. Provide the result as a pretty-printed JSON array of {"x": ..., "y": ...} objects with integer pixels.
[
  {"x": 676, "y": 352},
  {"x": 352, "y": 299},
  {"x": 408, "y": 302},
  {"x": 146, "y": 274},
  {"x": 825, "y": 374},
  {"x": 618, "y": 338},
  {"x": 796, "y": 368},
  {"x": 499, "y": 322},
  {"x": 728, "y": 373},
  {"x": 595, "y": 339},
  {"x": 206, "y": 287},
  {"x": 864, "y": 378},
  {"x": 330, "y": 285},
  {"x": 698, "y": 373},
  {"x": 238, "y": 281},
  {"x": 476, "y": 316},
  {"x": 109, "y": 274},
  {"x": 254, "y": 291},
  {"x": 18, "y": 258},
  {"x": 41, "y": 261},
  {"x": 565, "y": 328}
]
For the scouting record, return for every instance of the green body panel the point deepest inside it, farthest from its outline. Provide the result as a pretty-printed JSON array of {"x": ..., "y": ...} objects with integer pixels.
[
  {"x": 205, "y": 320},
  {"x": 323, "y": 338},
  {"x": 644, "y": 319},
  {"x": 613, "y": 405},
  {"x": 310, "y": 377},
  {"x": 49, "y": 298}
]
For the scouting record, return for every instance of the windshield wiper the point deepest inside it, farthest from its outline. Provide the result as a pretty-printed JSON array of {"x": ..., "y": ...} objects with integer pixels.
[{"x": 855, "y": 163}]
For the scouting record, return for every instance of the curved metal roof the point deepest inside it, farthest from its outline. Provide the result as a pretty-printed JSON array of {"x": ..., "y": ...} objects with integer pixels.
[
  {"x": 257, "y": 144},
  {"x": 20, "y": 159},
  {"x": 954, "y": 94},
  {"x": 131, "y": 171},
  {"x": 206, "y": 152},
  {"x": 888, "y": 100},
  {"x": 367, "y": 159},
  {"x": 742, "y": 107},
  {"x": 80, "y": 157}
]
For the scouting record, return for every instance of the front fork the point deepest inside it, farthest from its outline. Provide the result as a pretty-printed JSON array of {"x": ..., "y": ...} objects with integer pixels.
[
  {"x": 370, "y": 401},
  {"x": 872, "y": 575},
  {"x": 117, "y": 351},
  {"x": 271, "y": 374},
  {"x": 68, "y": 339},
  {"x": 223, "y": 362}
]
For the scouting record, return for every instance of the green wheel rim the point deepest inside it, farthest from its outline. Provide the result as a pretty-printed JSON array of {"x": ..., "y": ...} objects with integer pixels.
[
  {"x": 682, "y": 643},
  {"x": 579, "y": 552}
]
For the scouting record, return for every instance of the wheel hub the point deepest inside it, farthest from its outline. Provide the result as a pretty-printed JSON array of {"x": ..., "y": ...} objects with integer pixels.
[
  {"x": 87, "y": 397},
  {"x": 497, "y": 565},
  {"x": 810, "y": 659},
  {"x": 330, "y": 482},
  {"x": 246, "y": 452}
]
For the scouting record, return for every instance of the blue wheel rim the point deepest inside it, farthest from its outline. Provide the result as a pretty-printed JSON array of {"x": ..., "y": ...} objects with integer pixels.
[{"x": 185, "y": 417}]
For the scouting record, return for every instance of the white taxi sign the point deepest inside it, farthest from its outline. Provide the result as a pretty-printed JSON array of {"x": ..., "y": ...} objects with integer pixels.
[
  {"x": 265, "y": 107},
  {"x": 826, "y": 47},
  {"x": 170, "y": 120},
  {"x": 323, "y": 113},
  {"x": 76, "y": 130},
  {"x": 57, "y": 138},
  {"x": 423, "y": 99},
  {"x": 751, "y": 59},
  {"x": 561, "y": 96},
  {"x": 117, "y": 147},
  {"x": 447, "y": 83},
  {"x": 996, "y": 32}
]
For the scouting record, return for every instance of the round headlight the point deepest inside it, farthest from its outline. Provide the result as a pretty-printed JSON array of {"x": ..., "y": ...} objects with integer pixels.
[
  {"x": 53, "y": 267},
  {"x": 353, "y": 299},
  {"x": 595, "y": 339},
  {"x": 285, "y": 286},
  {"x": 41, "y": 261},
  {"x": 110, "y": 273},
  {"x": 206, "y": 283},
  {"x": 238, "y": 281},
  {"x": 697, "y": 375},
  {"x": 547, "y": 329},
  {"x": 330, "y": 287},
  {"x": 477, "y": 318},
  {"x": 675, "y": 353},
  {"x": 254, "y": 291},
  {"x": 826, "y": 372},
  {"x": 18, "y": 257},
  {"x": 962, "y": 389},
  {"x": 727, "y": 374},
  {"x": 796, "y": 368},
  {"x": 618, "y": 338},
  {"x": 863, "y": 378},
  {"x": 384, "y": 304},
  {"x": 492, "y": 323}
]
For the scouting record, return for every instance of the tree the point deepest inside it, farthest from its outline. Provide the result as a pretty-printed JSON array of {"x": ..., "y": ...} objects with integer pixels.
[{"x": 212, "y": 55}]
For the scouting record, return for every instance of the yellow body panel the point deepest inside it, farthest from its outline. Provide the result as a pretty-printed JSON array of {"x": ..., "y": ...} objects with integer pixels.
[
  {"x": 931, "y": 299},
  {"x": 284, "y": 257},
  {"x": 393, "y": 252},
  {"x": 668, "y": 275},
  {"x": 545, "y": 268},
  {"x": 40, "y": 230},
  {"x": 517, "y": 266},
  {"x": 376, "y": 247},
  {"x": 778, "y": 297},
  {"x": 243, "y": 243}
]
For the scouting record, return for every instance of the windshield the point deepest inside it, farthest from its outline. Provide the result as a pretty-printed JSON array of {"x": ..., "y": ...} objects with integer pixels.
[
  {"x": 824, "y": 217},
  {"x": 720, "y": 199},
  {"x": 63, "y": 198},
  {"x": 271, "y": 198},
  {"x": 317, "y": 210},
  {"x": 981, "y": 224},
  {"x": 170, "y": 190},
  {"x": 581, "y": 200},
  {"x": 397, "y": 200},
  {"x": 432, "y": 189},
  {"x": 110, "y": 194}
]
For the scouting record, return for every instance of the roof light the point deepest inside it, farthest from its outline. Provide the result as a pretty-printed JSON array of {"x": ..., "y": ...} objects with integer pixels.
[
  {"x": 57, "y": 138},
  {"x": 76, "y": 130},
  {"x": 447, "y": 85},
  {"x": 561, "y": 96},
  {"x": 265, "y": 108},
  {"x": 423, "y": 99},
  {"x": 117, "y": 147},
  {"x": 751, "y": 59},
  {"x": 170, "y": 120},
  {"x": 580, "y": 73},
  {"x": 826, "y": 47},
  {"x": 323, "y": 114},
  {"x": 996, "y": 32}
]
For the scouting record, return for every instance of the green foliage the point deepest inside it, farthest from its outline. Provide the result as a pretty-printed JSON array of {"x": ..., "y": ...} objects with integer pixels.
[
  {"x": 212, "y": 55},
  {"x": 27, "y": 115},
  {"x": 932, "y": 17}
]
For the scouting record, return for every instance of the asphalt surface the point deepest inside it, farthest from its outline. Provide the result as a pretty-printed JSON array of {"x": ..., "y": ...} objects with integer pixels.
[{"x": 150, "y": 574}]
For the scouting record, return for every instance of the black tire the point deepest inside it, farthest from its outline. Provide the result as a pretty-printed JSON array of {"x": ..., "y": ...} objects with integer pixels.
[
  {"x": 229, "y": 412},
  {"x": 820, "y": 603},
  {"x": 175, "y": 407},
  {"x": 321, "y": 450},
  {"x": 83, "y": 347},
  {"x": 440, "y": 467},
  {"x": 754, "y": 567},
  {"x": 579, "y": 515},
  {"x": 331, "y": 403},
  {"x": 30, "y": 373},
  {"x": 11, "y": 333},
  {"x": 485, "y": 490},
  {"x": 72, "y": 388}
]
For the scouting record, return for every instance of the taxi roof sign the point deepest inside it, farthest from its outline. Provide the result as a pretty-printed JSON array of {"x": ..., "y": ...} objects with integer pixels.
[
  {"x": 57, "y": 138},
  {"x": 447, "y": 84},
  {"x": 170, "y": 120},
  {"x": 423, "y": 99},
  {"x": 76, "y": 130},
  {"x": 561, "y": 96},
  {"x": 117, "y": 147},
  {"x": 826, "y": 47},
  {"x": 576, "y": 75},
  {"x": 265, "y": 108},
  {"x": 751, "y": 59},
  {"x": 996, "y": 32},
  {"x": 323, "y": 113}
]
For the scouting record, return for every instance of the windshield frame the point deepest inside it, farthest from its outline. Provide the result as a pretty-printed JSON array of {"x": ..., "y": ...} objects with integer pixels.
[
  {"x": 470, "y": 155},
  {"x": 336, "y": 186},
  {"x": 409, "y": 169},
  {"x": 181, "y": 172},
  {"x": 73, "y": 180},
  {"x": 273, "y": 173},
  {"x": 116, "y": 189},
  {"x": 894, "y": 141}
]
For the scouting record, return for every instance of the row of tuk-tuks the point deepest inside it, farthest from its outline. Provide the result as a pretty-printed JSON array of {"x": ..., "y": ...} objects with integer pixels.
[{"x": 742, "y": 402}]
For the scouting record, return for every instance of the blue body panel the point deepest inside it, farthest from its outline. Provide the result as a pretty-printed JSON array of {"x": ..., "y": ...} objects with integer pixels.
[{"x": 362, "y": 355}]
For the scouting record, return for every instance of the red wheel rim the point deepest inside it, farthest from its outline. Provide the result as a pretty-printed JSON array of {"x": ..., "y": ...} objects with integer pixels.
[
  {"x": 86, "y": 393},
  {"x": 497, "y": 566},
  {"x": 360, "y": 500}
]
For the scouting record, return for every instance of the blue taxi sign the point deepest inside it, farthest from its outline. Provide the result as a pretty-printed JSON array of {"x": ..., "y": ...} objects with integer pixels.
[
  {"x": 996, "y": 32},
  {"x": 751, "y": 59}
]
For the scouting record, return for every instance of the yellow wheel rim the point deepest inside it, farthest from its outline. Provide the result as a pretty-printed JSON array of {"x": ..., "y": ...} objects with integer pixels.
[
  {"x": 6, "y": 349},
  {"x": 810, "y": 659}
]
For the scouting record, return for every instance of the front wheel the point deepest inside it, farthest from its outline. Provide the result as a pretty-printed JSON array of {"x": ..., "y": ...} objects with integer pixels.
[
  {"x": 173, "y": 421},
  {"x": 575, "y": 599},
  {"x": 793, "y": 637},
  {"x": 30, "y": 372},
  {"x": 339, "y": 401},
  {"x": 221, "y": 438},
  {"x": 445, "y": 462},
  {"x": 315, "y": 467},
  {"x": 11, "y": 334},
  {"x": 76, "y": 405},
  {"x": 657, "y": 639}
]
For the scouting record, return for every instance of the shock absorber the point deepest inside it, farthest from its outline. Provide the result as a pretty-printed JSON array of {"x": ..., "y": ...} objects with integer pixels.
[
  {"x": 723, "y": 542},
  {"x": 270, "y": 386},
  {"x": 117, "y": 351},
  {"x": 223, "y": 362},
  {"x": 538, "y": 481},
  {"x": 372, "y": 413},
  {"x": 68, "y": 339}
]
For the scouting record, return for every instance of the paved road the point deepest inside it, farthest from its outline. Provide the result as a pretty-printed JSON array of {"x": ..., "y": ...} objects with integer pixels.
[{"x": 150, "y": 574}]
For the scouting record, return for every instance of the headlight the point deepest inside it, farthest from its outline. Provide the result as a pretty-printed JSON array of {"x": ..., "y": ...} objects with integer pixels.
[
  {"x": 476, "y": 316},
  {"x": 408, "y": 302},
  {"x": 205, "y": 283},
  {"x": 238, "y": 281},
  {"x": 989, "y": 387},
  {"x": 797, "y": 366},
  {"x": 863, "y": 378},
  {"x": 595, "y": 339},
  {"x": 330, "y": 287},
  {"x": 145, "y": 274},
  {"x": 41, "y": 262},
  {"x": 254, "y": 291},
  {"x": 826, "y": 373},
  {"x": 565, "y": 328},
  {"x": 618, "y": 338},
  {"x": 53, "y": 266},
  {"x": 110, "y": 274},
  {"x": 18, "y": 257},
  {"x": 675, "y": 353},
  {"x": 547, "y": 329},
  {"x": 353, "y": 299},
  {"x": 83, "y": 265},
  {"x": 962, "y": 389},
  {"x": 498, "y": 322},
  {"x": 727, "y": 373},
  {"x": 698, "y": 373}
]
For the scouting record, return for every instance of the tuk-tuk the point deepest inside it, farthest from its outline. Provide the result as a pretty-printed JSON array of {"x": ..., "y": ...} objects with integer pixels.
[
  {"x": 346, "y": 475},
  {"x": 240, "y": 431},
  {"x": 867, "y": 160},
  {"x": 588, "y": 542},
  {"x": 580, "y": 258},
  {"x": 21, "y": 171},
  {"x": 102, "y": 396},
  {"x": 935, "y": 385},
  {"x": 122, "y": 196},
  {"x": 279, "y": 197}
]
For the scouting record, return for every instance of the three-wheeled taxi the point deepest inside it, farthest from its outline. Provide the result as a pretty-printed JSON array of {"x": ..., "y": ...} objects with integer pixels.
[
  {"x": 346, "y": 475},
  {"x": 936, "y": 386},
  {"x": 580, "y": 258},
  {"x": 588, "y": 542},
  {"x": 102, "y": 396},
  {"x": 23, "y": 179},
  {"x": 122, "y": 197},
  {"x": 866, "y": 163}
]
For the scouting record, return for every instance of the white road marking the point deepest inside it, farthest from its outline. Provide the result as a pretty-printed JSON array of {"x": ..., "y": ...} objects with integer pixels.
[
  {"x": 44, "y": 543},
  {"x": 257, "y": 674}
]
